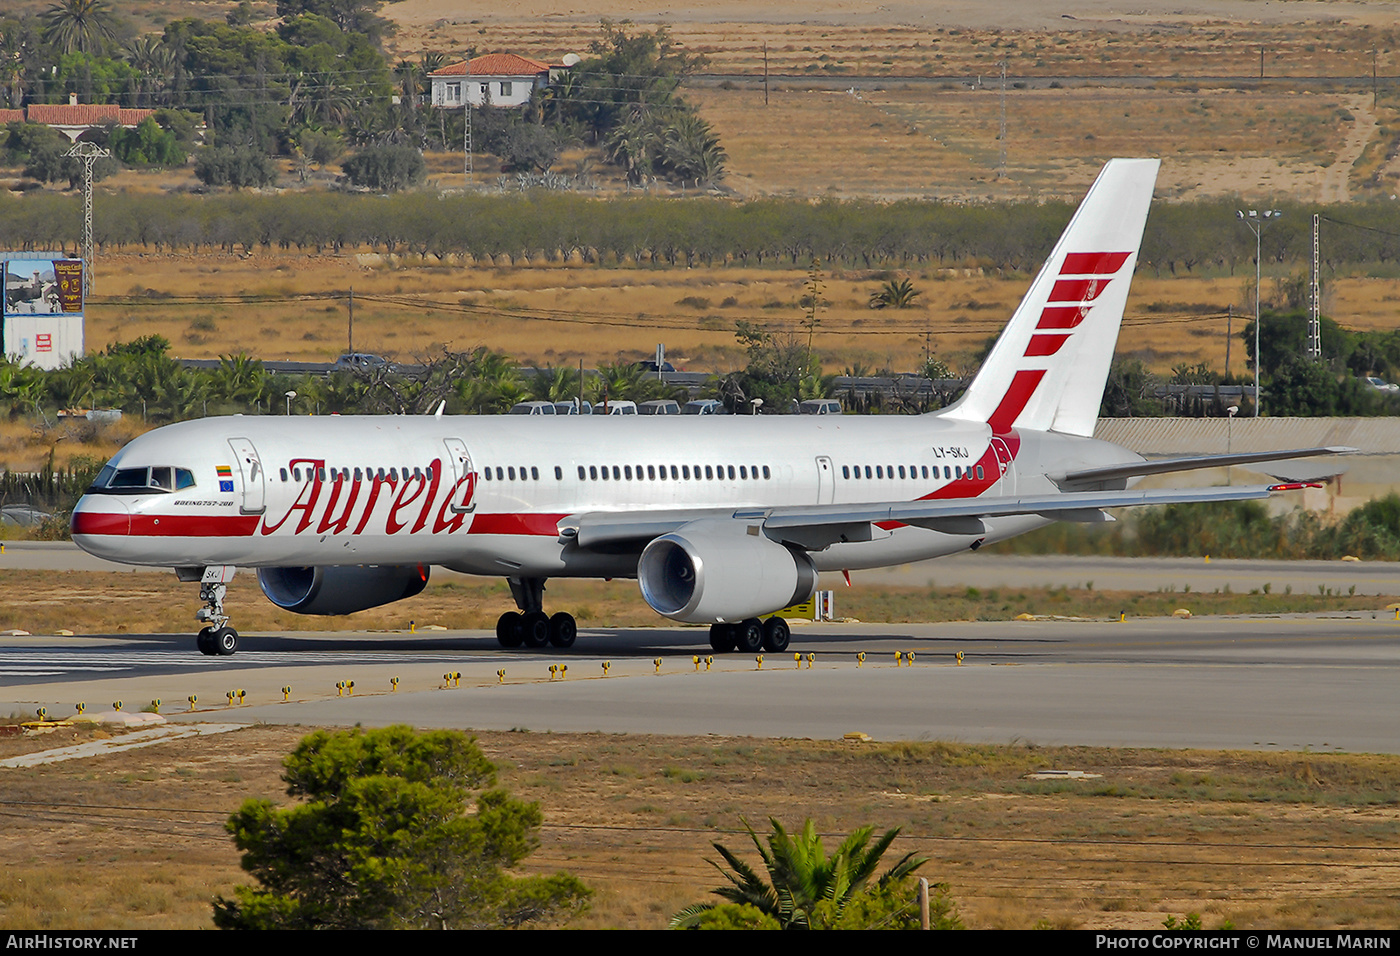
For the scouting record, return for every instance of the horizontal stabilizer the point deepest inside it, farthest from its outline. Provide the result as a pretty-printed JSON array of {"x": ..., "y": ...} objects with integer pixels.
[{"x": 1163, "y": 466}]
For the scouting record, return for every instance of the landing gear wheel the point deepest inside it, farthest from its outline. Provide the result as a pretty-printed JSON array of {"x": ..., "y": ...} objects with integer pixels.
[
  {"x": 508, "y": 630},
  {"x": 225, "y": 641},
  {"x": 776, "y": 635},
  {"x": 534, "y": 627},
  {"x": 748, "y": 635},
  {"x": 562, "y": 630},
  {"x": 722, "y": 638},
  {"x": 205, "y": 642}
]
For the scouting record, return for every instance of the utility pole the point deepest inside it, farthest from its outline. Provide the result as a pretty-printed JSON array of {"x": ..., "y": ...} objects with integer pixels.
[
  {"x": 351, "y": 325},
  {"x": 1314, "y": 346},
  {"x": 1255, "y": 221},
  {"x": 1001, "y": 168},
  {"x": 87, "y": 154},
  {"x": 765, "y": 73},
  {"x": 467, "y": 133}
]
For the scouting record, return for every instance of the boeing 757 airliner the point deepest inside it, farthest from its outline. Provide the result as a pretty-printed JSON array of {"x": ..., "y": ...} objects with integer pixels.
[{"x": 722, "y": 520}]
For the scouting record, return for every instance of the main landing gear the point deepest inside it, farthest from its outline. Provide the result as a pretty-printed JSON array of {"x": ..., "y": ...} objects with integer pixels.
[
  {"x": 530, "y": 626},
  {"x": 750, "y": 636},
  {"x": 217, "y": 639}
]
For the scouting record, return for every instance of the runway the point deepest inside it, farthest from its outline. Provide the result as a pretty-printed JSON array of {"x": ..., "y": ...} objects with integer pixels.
[{"x": 1319, "y": 682}]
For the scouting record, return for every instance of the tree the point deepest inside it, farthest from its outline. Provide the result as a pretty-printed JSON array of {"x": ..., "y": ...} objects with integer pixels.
[
  {"x": 385, "y": 840},
  {"x": 806, "y": 889},
  {"x": 894, "y": 294},
  {"x": 79, "y": 25},
  {"x": 237, "y": 167},
  {"x": 386, "y": 168}
]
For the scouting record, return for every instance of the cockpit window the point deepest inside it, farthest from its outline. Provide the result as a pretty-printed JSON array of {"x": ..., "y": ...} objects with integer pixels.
[{"x": 136, "y": 480}]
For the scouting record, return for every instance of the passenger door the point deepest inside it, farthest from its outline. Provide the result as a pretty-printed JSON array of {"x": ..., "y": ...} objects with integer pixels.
[{"x": 254, "y": 480}]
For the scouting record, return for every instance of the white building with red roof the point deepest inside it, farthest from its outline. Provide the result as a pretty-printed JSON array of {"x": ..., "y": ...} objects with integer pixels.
[
  {"x": 496, "y": 79},
  {"x": 73, "y": 119}
]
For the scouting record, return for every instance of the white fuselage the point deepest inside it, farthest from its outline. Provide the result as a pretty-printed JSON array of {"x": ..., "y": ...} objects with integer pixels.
[{"x": 487, "y": 495}]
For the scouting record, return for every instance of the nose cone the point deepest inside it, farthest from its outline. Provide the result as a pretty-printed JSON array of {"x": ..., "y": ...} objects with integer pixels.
[{"x": 101, "y": 526}]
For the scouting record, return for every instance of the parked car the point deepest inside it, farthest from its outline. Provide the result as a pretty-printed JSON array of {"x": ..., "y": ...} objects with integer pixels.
[
  {"x": 533, "y": 408},
  {"x": 650, "y": 366},
  {"x": 362, "y": 362},
  {"x": 820, "y": 406},
  {"x": 704, "y": 406},
  {"x": 573, "y": 408},
  {"x": 1380, "y": 384},
  {"x": 659, "y": 406},
  {"x": 621, "y": 408}
]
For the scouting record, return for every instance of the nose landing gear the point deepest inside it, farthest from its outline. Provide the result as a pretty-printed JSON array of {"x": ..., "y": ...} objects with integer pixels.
[{"x": 218, "y": 639}]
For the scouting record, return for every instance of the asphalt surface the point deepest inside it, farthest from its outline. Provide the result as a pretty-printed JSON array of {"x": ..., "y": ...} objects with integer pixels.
[{"x": 1318, "y": 682}]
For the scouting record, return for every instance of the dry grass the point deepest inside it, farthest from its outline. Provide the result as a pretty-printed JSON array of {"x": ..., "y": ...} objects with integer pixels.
[
  {"x": 44, "y": 602},
  {"x": 1276, "y": 840}
]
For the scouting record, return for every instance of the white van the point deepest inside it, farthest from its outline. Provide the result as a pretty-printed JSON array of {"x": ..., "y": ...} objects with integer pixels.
[
  {"x": 533, "y": 408},
  {"x": 621, "y": 408},
  {"x": 660, "y": 406},
  {"x": 820, "y": 406}
]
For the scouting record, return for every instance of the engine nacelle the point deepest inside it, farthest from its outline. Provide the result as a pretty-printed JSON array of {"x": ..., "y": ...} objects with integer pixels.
[
  {"x": 340, "y": 590},
  {"x": 718, "y": 572}
]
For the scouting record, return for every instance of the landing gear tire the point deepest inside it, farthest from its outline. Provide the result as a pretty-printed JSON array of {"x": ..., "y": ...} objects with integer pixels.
[
  {"x": 534, "y": 627},
  {"x": 205, "y": 642},
  {"x": 748, "y": 636},
  {"x": 225, "y": 641},
  {"x": 776, "y": 635},
  {"x": 509, "y": 631},
  {"x": 563, "y": 630},
  {"x": 722, "y": 638}
]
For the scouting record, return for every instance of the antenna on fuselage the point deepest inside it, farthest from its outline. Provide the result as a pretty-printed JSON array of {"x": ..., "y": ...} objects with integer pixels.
[{"x": 441, "y": 405}]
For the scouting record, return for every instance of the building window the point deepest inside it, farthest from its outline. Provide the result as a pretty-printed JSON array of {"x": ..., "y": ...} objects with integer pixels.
[{"x": 505, "y": 89}]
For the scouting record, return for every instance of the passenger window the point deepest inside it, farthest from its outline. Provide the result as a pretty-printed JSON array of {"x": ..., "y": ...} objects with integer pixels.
[
  {"x": 535, "y": 473},
  {"x": 357, "y": 475},
  {"x": 925, "y": 467},
  {"x": 731, "y": 472},
  {"x": 559, "y": 473},
  {"x": 868, "y": 472},
  {"x": 879, "y": 471},
  {"x": 845, "y": 470},
  {"x": 283, "y": 472},
  {"x": 765, "y": 473},
  {"x": 617, "y": 473},
  {"x": 605, "y": 472},
  {"x": 744, "y": 472},
  {"x": 685, "y": 472},
  {"x": 487, "y": 473},
  {"x": 321, "y": 473},
  {"x": 979, "y": 473},
  {"x": 901, "y": 471},
  {"x": 510, "y": 471},
  {"x": 947, "y": 472},
  {"x": 709, "y": 474},
  {"x": 592, "y": 472},
  {"x": 627, "y": 471}
]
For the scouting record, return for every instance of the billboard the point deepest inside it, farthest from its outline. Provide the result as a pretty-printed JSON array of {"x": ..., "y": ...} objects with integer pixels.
[{"x": 41, "y": 322}]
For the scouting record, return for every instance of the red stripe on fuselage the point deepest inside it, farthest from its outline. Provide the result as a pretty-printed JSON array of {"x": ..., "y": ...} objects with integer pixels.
[
  {"x": 165, "y": 526},
  {"x": 1077, "y": 290},
  {"x": 1062, "y": 316},
  {"x": 537, "y": 524}
]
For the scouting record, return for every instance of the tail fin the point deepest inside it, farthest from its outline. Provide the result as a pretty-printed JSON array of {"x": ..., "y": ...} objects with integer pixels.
[{"x": 1047, "y": 370}]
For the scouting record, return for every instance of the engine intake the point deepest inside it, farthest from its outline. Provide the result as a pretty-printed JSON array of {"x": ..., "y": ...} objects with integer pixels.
[
  {"x": 340, "y": 590},
  {"x": 718, "y": 572}
]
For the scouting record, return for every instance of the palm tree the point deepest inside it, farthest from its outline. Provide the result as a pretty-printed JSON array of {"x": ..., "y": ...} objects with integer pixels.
[
  {"x": 156, "y": 63},
  {"x": 805, "y": 887},
  {"x": 80, "y": 25},
  {"x": 895, "y": 294}
]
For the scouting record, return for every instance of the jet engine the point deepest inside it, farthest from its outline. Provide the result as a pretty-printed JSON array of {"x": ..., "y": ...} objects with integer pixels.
[
  {"x": 340, "y": 590},
  {"x": 722, "y": 572}
]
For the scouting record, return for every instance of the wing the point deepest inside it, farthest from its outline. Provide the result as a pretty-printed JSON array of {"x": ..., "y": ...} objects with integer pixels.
[{"x": 814, "y": 527}]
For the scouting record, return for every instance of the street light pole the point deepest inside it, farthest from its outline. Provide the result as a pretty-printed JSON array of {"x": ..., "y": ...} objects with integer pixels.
[{"x": 1255, "y": 220}]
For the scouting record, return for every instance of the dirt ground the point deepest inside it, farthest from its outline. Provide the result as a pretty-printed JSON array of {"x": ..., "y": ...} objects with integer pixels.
[{"x": 1280, "y": 840}]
